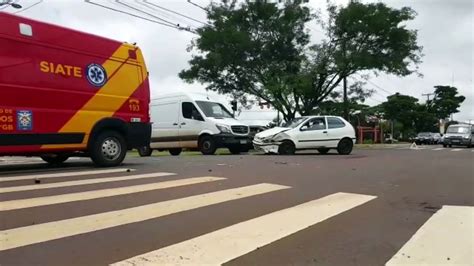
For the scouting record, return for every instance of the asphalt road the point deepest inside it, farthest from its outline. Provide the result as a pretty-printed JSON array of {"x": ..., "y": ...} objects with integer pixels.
[{"x": 374, "y": 207}]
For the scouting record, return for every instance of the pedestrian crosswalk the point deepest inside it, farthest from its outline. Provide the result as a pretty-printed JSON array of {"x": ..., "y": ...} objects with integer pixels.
[
  {"x": 431, "y": 148},
  {"x": 452, "y": 224}
]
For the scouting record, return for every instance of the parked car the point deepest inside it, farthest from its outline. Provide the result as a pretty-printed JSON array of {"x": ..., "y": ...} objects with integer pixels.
[
  {"x": 424, "y": 138},
  {"x": 194, "y": 121},
  {"x": 461, "y": 135},
  {"x": 308, "y": 132}
]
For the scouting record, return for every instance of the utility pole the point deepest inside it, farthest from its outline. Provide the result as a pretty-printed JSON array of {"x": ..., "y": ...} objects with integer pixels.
[{"x": 427, "y": 96}]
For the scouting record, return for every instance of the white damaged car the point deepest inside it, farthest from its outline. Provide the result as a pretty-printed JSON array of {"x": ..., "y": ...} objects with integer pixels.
[{"x": 320, "y": 133}]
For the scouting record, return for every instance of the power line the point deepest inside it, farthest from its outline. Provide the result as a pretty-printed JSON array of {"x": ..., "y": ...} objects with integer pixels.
[
  {"x": 130, "y": 14},
  {"x": 164, "y": 20},
  {"x": 198, "y": 6},
  {"x": 389, "y": 92},
  {"x": 176, "y": 13},
  {"x": 26, "y": 8}
]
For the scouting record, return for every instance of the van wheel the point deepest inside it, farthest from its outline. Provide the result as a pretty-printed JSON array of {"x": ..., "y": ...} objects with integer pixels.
[
  {"x": 207, "y": 145},
  {"x": 54, "y": 158},
  {"x": 323, "y": 150},
  {"x": 175, "y": 152},
  {"x": 145, "y": 151},
  {"x": 234, "y": 150},
  {"x": 345, "y": 146},
  {"x": 287, "y": 148},
  {"x": 108, "y": 149}
]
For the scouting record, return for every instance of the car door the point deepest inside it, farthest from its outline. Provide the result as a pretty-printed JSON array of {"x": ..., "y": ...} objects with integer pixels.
[
  {"x": 313, "y": 134},
  {"x": 191, "y": 125},
  {"x": 336, "y": 130},
  {"x": 165, "y": 127}
]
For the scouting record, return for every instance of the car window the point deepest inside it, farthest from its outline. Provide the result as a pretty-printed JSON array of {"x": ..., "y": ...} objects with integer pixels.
[
  {"x": 316, "y": 124},
  {"x": 191, "y": 112},
  {"x": 334, "y": 122}
]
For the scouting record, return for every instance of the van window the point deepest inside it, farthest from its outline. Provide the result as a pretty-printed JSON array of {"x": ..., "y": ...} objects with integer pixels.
[
  {"x": 191, "y": 112},
  {"x": 334, "y": 122},
  {"x": 215, "y": 110},
  {"x": 458, "y": 129}
]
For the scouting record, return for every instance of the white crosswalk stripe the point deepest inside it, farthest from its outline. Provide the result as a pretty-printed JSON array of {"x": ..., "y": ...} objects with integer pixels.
[
  {"x": 234, "y": 241},
  {"x": 64, "y": 174},
  {"x": 456, "y": 150},
  {"x": 447, "y": 238},
  {"x": 22, "y": 236},
  {"x": 103, "y": 193},
  {"x": 82, "y": 182},
  {"x": 438, "y": 149}
]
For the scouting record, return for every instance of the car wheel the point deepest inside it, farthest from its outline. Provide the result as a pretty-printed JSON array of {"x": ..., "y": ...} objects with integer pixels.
[
  {"x": 444, "y": 145},
  {"x": 323, "y": 150},
  {"x": 207, "y": 145},
  {"x": 145, "y": 151},
  {"x": 176, "y": 151},
  {"x": 54, "y": 158},
  {"x": 450, "y": 145},
  {"x": 234, "y": 150},
  {"x": 287, "y": 148},
  {"x": 345, "y": 146},
  {"x": 108, "y": 149}
]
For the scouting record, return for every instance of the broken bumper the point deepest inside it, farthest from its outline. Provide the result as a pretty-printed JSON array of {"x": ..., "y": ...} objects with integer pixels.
[{"x": 266, "y": 147}]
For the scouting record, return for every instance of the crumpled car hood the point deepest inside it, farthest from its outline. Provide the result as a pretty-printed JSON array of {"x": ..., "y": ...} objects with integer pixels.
[{"x": 270, "y": 132}]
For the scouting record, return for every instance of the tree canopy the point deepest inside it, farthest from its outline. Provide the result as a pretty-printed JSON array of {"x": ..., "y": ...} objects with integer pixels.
[{"x": 262, "y": 49}]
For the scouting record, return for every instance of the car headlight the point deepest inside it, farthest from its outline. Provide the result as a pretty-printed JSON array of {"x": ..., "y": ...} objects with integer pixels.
[
  {"x": 223, "y": 128},
  {"x": 466, "y": 137}
]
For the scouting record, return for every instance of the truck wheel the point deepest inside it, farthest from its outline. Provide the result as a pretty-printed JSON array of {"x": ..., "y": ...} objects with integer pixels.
[
  {"x": 175, "y": 152},
  {"x": 207, "y": 145},
  {"x": 54, "y": 158},
  {"x": 323, "y": 150},
  {"x": 345, "y": 146},
  {"x": 234, "y": 150},
  {"x": 287, "y": 148},
  {"x": 145, "y": 151},
  {"x": 108, "y": 149}
]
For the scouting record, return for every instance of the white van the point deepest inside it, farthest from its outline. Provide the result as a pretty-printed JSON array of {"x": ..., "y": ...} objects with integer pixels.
[{"x": 195, "y": 122}]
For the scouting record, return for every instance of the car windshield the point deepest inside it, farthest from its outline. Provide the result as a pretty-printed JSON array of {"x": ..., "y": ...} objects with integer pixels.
[
  {"x": 294, "y": 123},
  {"x": 215, "y": 110},
  {"x": 460, "y": 130}
]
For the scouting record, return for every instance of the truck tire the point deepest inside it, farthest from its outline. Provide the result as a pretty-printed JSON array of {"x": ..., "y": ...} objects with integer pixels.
[
  {"x": 176, "y": 151},
  {"x": 54, "y": 158},
  {"x": 345, "y": 146},
  {"x": 108, "y": 149},
  {"x": 145, "y": 151},
  {"x": 207, "y": 145}
]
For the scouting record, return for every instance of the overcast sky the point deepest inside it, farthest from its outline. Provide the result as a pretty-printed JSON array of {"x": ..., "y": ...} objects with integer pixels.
[{"x": 445, "y": 31}]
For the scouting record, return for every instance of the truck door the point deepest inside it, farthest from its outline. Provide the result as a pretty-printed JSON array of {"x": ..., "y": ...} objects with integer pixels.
[
  {"x": 165, "y": 127},
  {"x": 190, "y": 125}
]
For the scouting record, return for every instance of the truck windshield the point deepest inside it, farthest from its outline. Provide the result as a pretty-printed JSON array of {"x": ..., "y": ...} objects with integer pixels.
[
  {"x": 293, "y": 123},
  {"x": 215, "y": 110},
  {"x": 460, "y": 130}
]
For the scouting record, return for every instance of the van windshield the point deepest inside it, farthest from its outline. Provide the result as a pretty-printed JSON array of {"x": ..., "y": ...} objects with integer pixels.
[
  {"x": 215, "y": 110},
  {"x": 458, "y": 129}
]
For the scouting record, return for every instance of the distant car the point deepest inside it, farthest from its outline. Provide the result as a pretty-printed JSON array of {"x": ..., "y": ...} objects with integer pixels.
[
  {"x": 424, "y": 138},
  {"x": 461, "y": 135},
  {"x": 321, "y": 133}
]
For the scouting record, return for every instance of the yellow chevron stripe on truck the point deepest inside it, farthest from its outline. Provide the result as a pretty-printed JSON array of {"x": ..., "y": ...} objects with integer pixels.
[{"x": 124, "y": 80}]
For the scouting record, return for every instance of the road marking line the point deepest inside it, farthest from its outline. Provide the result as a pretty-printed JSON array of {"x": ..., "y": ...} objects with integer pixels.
[
  {"x": 438, "y": 149},
  {"x": 63, "y": 174},
  {"x": 103, "y": 193},
  {"x": 33, "y": 234},
  {"x": 456, "y": 150},
  {"x": 223, "y": 245},
  {"x": 82, "y": 182},
  {"x": 445, "y": 239}
]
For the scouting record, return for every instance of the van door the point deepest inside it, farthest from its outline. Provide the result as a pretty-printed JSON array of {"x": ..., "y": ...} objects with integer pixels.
[
  {"x": 165, "y": 127},
  {"x": 190, "y": 126},
  {"x": 313, "y": 134}
]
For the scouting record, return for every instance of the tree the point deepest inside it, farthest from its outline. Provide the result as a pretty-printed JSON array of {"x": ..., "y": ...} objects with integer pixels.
[
  {"x": 262, "y": 49},
  {"x": 446, "y": 101},
  {"x": 403, "y": 109}
]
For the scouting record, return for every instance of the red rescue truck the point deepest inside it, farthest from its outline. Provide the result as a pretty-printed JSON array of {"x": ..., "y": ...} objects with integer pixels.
[{"x": 67, "y": 93}]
